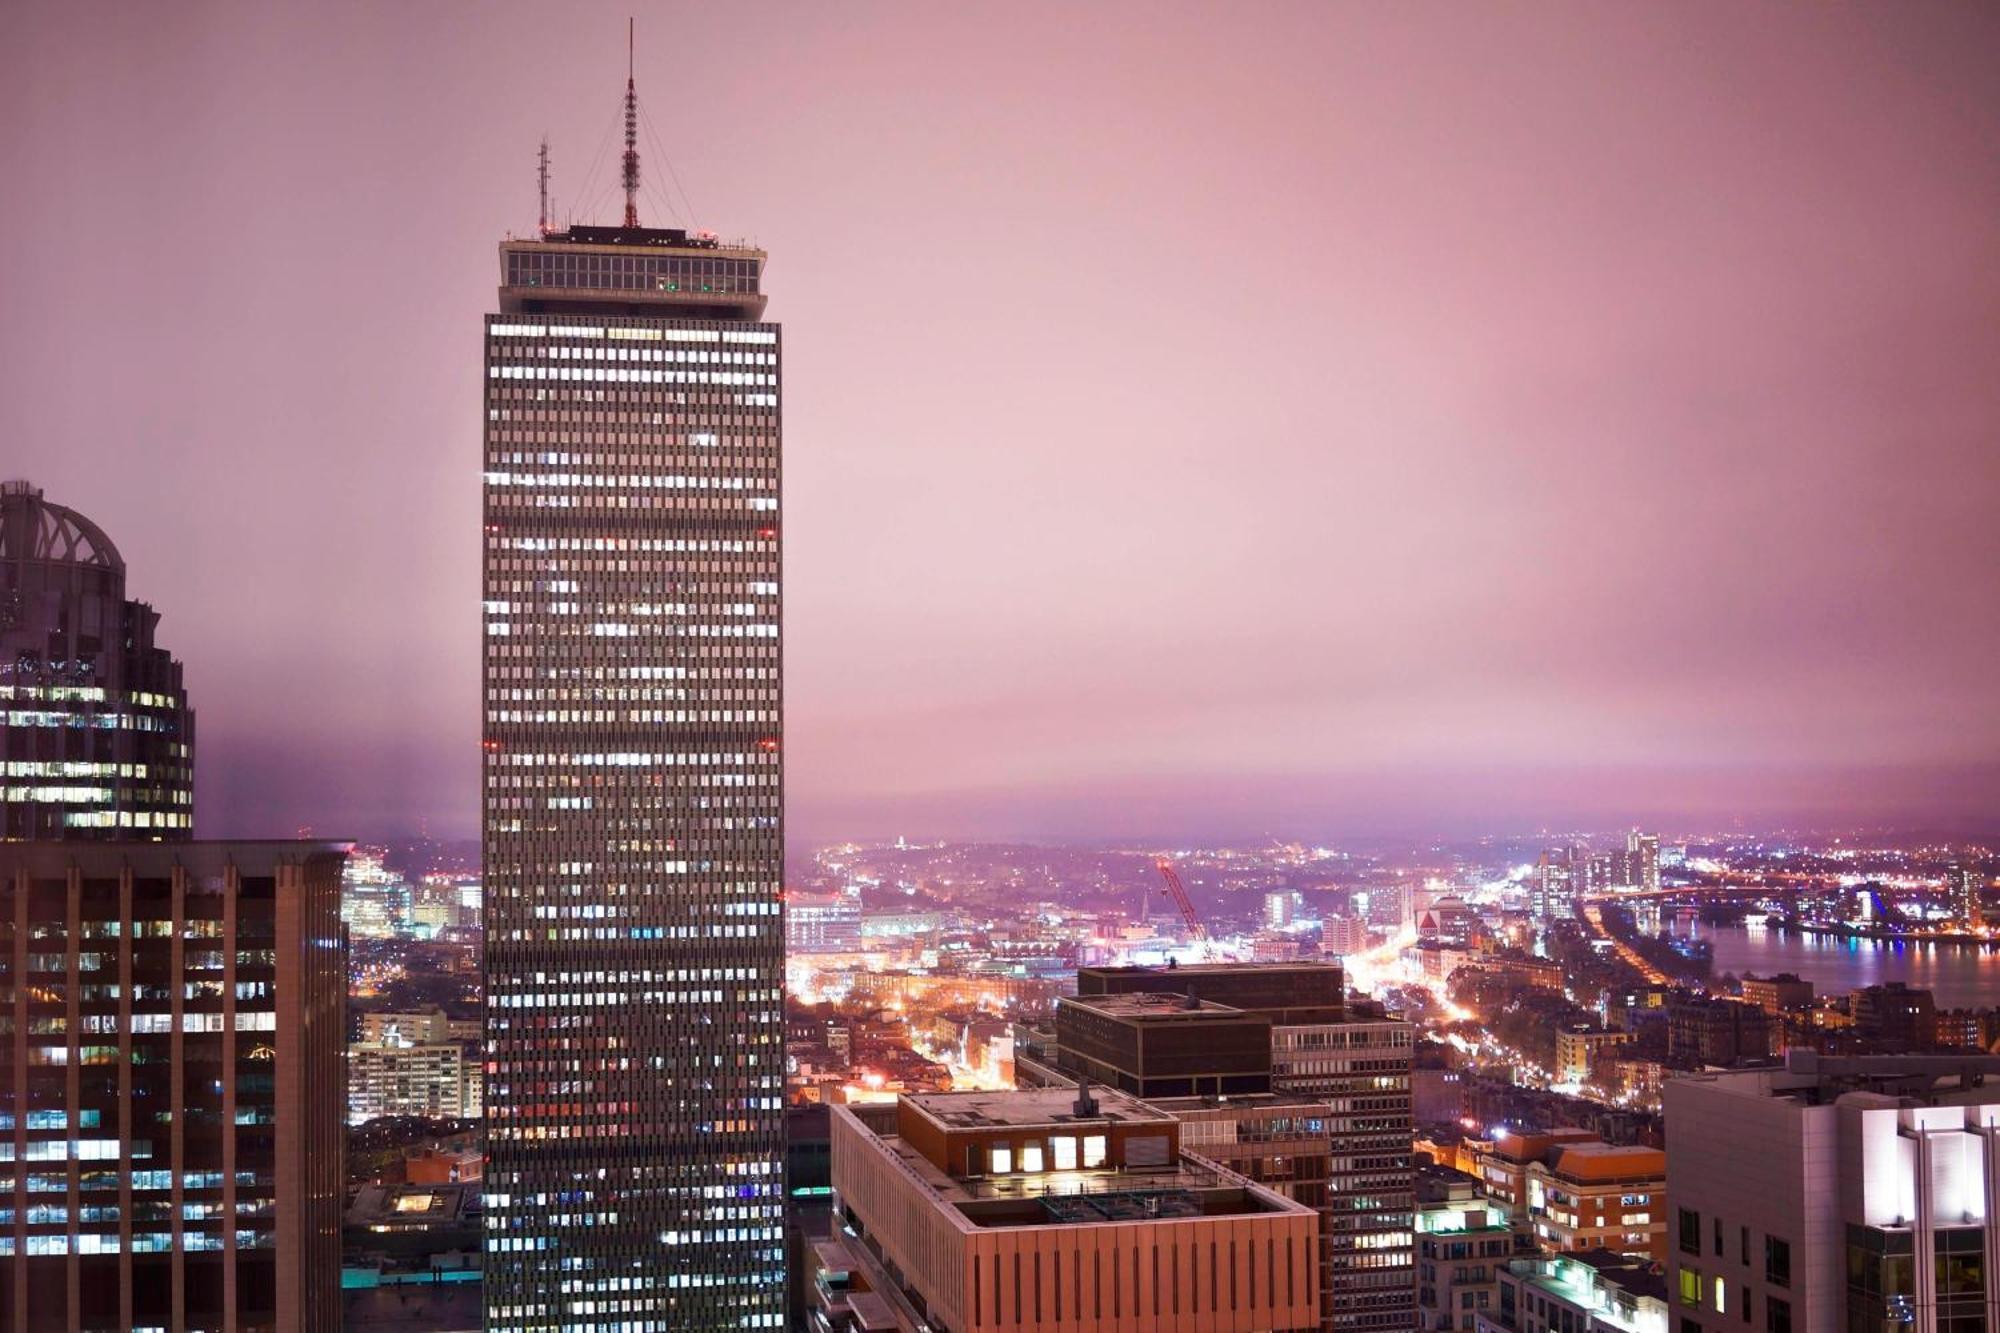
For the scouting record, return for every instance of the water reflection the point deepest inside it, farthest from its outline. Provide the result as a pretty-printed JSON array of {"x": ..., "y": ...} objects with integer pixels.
[{"x": 1962, "y": 976}]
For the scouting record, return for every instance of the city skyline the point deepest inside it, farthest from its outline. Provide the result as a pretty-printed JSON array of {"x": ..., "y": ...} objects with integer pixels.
[{"x": 1598, "y": 436}]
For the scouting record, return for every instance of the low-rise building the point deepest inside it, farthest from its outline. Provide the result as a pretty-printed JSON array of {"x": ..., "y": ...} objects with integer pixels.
[
  {"x": 1717, "y": 1031},
  {"x": 1463, "y": 1241},
  {"x": 1591, "y": 1293},
  {"x": 1579, "y": 1192},
  {"x": 1784, "y": 993},
  {"x": 1052, "y": 1209}
]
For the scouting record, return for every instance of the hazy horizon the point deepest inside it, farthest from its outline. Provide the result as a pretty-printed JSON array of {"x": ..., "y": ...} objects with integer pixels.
[{"x": 1199, "y": 419}]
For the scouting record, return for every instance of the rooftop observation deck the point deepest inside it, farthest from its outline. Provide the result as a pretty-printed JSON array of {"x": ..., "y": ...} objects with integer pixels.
[{"x": 655, "y": 272}]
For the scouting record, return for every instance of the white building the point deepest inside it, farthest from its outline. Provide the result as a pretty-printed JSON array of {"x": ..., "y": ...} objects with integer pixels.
[
  {"x": 1835, "y": 1193},
  {"x": 434, "y": 1079}
]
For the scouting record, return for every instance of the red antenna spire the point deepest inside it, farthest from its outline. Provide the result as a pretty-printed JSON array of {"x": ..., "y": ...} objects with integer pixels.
[{"x": 631, "y": 131}]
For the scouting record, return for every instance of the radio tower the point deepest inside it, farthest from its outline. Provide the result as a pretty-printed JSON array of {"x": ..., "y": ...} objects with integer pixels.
[
  {"x": 542, "y": 176},
  {"x": 631, "y": 133}
]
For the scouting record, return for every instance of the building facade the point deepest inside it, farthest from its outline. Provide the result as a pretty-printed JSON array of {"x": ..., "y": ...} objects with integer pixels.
[
  {"x": 96, "y": 736},
  {"x": 633, "y": 787},
  {"x": 432, "y": 1079},
  {"x": 1361, "y": 1067},
  {"x": 171, "y": 1122},
  {"x": 1836, "y": 1193}
]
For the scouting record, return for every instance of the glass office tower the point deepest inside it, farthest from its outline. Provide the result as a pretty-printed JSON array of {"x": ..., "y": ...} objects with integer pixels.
[{"x": 633, "y": 787}]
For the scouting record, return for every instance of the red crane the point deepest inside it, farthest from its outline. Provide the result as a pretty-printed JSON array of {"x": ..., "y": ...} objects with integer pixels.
[{"x": 1186, "y": 904}]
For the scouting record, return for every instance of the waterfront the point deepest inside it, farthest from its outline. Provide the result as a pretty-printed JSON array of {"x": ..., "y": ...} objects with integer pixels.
[{"x": 1962, "y": 976}]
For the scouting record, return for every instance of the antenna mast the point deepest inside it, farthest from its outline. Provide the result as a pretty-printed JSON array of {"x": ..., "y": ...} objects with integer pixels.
[
  {"x": 631, "y": 131},
  {"x": 542, "y": 175}
]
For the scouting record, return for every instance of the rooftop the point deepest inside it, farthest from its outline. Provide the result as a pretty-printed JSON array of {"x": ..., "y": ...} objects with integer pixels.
[
  {"x": 1151, "y": 1006},
  {"x": 1811, "y": 1079},
  {"x": 1606, "y": 1161},
  {"x": 1029, "y": 1108},
  {"x": 1601, "y": 1291}
]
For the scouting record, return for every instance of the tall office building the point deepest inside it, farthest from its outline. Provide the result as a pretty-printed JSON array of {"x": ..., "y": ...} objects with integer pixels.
[
  {"x": 170, "y": 1119},
  {"x": 633, "y": 784},
  {"x": 1239, "y": 1029},
  {"x": 96, "y": 737},
  {"x": 1642, "y": 851}
]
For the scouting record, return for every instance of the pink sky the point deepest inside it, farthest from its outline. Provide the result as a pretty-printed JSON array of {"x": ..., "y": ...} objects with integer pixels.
[{"x": 1309, "y": 418}]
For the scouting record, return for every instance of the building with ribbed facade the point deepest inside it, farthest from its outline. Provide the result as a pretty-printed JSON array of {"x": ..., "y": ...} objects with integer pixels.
[
  {"x": 171, "y": 1129},
  {"x": 96, "y": 736},
  {"x": 634, "y": 964}
]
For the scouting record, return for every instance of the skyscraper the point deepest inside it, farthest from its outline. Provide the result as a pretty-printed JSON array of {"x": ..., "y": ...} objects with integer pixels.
[
  {"x": 1643, "y": 849},
  {"x": 171, "y": 1145},
  {"x": 96, "y": 737},
  {"x": 633, "y": 783}
]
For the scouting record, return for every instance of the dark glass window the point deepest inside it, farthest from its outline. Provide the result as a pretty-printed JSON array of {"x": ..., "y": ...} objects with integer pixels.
[{"x": 1777, "y": 1261}]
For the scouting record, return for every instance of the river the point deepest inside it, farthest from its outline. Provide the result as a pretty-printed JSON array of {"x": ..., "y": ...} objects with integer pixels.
[{"x": 1962, "y": 977}]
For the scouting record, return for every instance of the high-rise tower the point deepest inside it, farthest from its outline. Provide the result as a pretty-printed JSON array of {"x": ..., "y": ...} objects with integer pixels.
[
  {"x": 96, "y": 737},
  {"x": 633, "y": 785}
]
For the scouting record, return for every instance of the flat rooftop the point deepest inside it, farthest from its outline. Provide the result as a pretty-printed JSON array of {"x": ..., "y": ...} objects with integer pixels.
[
  {"x": 1152, "y": 1006},
  {"x": 1027, "y": 1108},
  {"x": 1241, "y": 1101},
  {"x": 1318, "y": 967}
]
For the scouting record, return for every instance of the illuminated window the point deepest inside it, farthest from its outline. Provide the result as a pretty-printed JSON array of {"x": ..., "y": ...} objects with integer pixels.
[
  {"x": 1002, "y": 1160},
  {"x": 1031, "y": 1157},
  {"x": 1065, "y": 1153},
  {"x": 1093, "y": 1150}
]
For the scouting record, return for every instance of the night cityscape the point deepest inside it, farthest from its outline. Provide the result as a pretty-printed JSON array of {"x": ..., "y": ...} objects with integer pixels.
[{"x": 1292, "y": 669}]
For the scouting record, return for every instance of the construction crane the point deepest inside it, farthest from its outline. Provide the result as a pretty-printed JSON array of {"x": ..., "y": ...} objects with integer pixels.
[{"x": 1181, "y": 900}]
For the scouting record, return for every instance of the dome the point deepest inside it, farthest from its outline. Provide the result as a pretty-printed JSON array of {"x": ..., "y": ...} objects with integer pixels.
[{"x": 33, "y": 529}]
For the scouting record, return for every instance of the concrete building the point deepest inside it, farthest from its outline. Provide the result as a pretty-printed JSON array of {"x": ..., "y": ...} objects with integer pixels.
[
  {"x": 1464, "y": 1240},
  {"x": 1578, "y": 1192},
  {"x": 1549, "y": 894},
  {"x": 1042, "y": 1212},
  {"x": 405, "y": 1029},
  {"x": 1717, "y": 1031},
  {"x": 823, "y": 922},
  {"x": 1963, "y": 881},
  {"x": 171, "y": 1128},
  {"x": 1165, "y": 1045},
  {"x": 434, "y": 1079},
  {"x": 633, "y": 789},
  {"x": 1306, "y": 991},
  {"x": 1835, "y": 1193},
  {"x": 1642, "y": 851},
  {"x": 1779, "y": 995},
  {"x": 96, "y": 735},
  {"x": 1896, "y": 1016},
  {"x": 1358, "y": 1062},
  {"x": 1578, "y": 1050},
  {"x": 1586, "y": 1293}
]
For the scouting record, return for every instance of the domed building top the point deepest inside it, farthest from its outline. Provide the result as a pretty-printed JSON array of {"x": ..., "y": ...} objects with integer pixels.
[
  {"x": 96, "y": 736},
  {"x": 33, "y": 529}
]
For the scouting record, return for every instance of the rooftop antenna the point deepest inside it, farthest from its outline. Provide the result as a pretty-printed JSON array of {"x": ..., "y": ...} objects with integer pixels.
[
  {"x": 542, "y": 175},
  {"x": 631, "y": 129}
]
